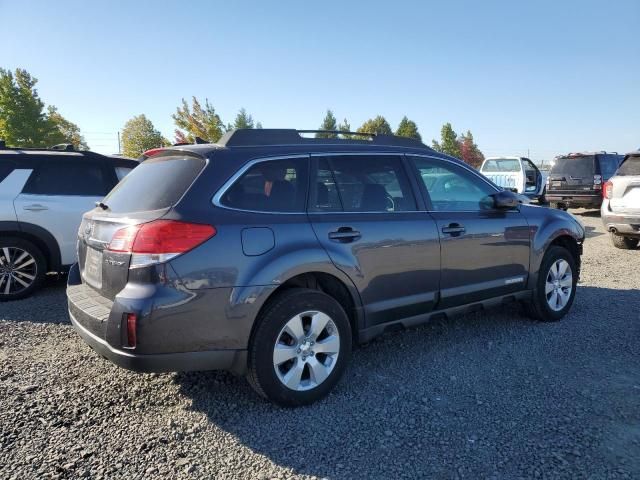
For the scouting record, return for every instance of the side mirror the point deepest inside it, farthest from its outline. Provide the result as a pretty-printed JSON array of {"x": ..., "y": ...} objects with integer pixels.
[{"x": 505, "y": 200}]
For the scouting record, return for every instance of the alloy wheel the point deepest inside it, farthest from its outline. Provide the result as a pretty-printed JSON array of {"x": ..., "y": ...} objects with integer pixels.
[
  {"x": 559, "y": 285},
  {"x": 306, "y": 350},
  {"x": 18, "y": 270}
]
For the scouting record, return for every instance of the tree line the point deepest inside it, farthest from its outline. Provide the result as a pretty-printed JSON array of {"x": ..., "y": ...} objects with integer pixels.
[{"x": 25, "y": 122}]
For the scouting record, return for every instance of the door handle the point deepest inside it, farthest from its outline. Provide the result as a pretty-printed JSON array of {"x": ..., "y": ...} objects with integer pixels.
[
  {"x": 344, "y": 235},
  {"x": 35, "y": 207},
  {"x": 453, "y": 229}
]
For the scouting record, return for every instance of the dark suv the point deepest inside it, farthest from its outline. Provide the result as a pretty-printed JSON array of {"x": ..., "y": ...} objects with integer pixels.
[
  {"x": 271, "y": 254},
  {"x": 576, "y": 179}
]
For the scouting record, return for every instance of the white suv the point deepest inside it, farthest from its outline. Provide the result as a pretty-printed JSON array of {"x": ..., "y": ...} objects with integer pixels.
[
  {"x": 43, "y": 194},
  {"x": 620, "y": 209}
]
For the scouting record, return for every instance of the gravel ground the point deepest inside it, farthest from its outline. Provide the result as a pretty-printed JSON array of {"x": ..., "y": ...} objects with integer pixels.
[{"x": 488, "y": 395}]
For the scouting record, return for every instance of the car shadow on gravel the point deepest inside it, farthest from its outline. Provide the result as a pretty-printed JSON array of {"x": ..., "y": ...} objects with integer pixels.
[
  {"x": 449, "y": 395},
  {"x": 47, "y": 305}
]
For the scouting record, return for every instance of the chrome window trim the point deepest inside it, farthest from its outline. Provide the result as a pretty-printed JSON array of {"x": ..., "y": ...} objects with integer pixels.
[{"x": 216, "y": 200}]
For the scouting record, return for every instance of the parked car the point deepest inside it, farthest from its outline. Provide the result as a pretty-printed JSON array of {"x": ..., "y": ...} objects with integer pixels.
[
  {"x": 43, "y": 194},
  {"x": 518, "y": 174},
  {"x": 576, "y": 179},
  {"x": 620, "y": 209},
  {"x": 269, "y": 254}
]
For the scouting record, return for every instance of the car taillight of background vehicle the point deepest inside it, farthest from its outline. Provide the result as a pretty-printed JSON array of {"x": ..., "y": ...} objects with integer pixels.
[
  {"x": 607, "y": 190},
  {"x": 159, "y": 241},
  {"x": 597, "y": 182}
]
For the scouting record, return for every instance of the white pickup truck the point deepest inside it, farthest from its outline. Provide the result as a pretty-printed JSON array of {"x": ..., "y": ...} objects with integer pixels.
[{"x": 518, "y": 174}]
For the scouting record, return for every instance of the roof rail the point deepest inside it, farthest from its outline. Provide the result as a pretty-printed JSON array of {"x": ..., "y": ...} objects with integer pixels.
[
  {"x": 274, "y": 136},
  {"x": 67, "y": 147}
]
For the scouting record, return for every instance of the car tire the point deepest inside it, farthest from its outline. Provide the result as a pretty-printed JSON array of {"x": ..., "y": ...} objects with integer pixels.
[
  {"x": 558, "y": 206},
  {"x": 297, "y": 323},
  {"x": 625, "y": 243},
  {"x": 554, "y": 293},
  {"x": 22, "y": 268}
]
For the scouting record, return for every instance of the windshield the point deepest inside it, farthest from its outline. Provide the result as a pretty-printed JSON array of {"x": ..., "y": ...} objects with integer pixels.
[
  {"x": 502, "y": 165},
  {"x": 155, "y": 184},
  {"x": 578, "y": 167},
  {"x": 631, "y": 166}
]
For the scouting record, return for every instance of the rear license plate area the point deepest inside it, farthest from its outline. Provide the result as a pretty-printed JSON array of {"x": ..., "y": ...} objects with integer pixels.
[
  {"x": 556, "y": 184},
  {"x": 93, "y": 268}
]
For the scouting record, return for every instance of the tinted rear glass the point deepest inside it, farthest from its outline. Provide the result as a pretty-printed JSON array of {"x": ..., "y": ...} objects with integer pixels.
[
  {"x": 68, "y": 177},
  {"x": 579, "y": 167},
  {"x": 631, "y": 166},
  {"x": 155, "y": 184},
  {"x": 609, "y": 164}
]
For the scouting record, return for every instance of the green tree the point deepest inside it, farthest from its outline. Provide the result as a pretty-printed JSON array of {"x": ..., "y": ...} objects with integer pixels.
[
  {"x": 258, "y": 125},
  {"x": 23, "y": 120},
  {"x": 243, "y": 120},
  {"x": 69, "y": 131},
  {"x": 469, "y": 151},
  {"x": 377, "y": 125},
  {"x": 408, "y": 128},
  {"x": 139, "y": 135},
  {"x": 329, "y": 123},
  {"x": 196, "y": 121},
  {"x": 345, "y": 126},
  {"x": 449, "y": 143}
]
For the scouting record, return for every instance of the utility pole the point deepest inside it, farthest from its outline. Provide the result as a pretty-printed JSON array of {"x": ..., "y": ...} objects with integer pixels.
[{"x": 119, "y": 151}]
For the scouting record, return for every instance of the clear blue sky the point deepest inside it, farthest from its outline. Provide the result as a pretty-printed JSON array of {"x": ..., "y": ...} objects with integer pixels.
[{"x": 549, "y": 76}]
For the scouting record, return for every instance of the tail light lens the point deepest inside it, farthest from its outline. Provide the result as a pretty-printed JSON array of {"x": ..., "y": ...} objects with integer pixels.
[
  {"x": 597, "y": 182},
  {"x": 159, "y": 241},
  {"x": 607, "y": 190},
  {"x": 132, "y": 339}
]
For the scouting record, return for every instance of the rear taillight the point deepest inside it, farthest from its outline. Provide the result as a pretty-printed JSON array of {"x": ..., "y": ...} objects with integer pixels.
[
  {"x": 607, "y": 190},
  {"x": 132, "y": 334},
  {"x": 159, "y": 241},
  {"x": 152, "y": 152},
  {"x": 597, "y": 182}
]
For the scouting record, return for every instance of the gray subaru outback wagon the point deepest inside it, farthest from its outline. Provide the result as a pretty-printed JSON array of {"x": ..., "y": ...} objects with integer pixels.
[{"x": 271, "y": 254}]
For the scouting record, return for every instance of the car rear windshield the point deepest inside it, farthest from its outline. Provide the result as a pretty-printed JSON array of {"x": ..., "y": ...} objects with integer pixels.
[
  {"x": 631, "y": 166},
  {"x": 574, "y": 166},
  {"x": 156, "y": 184},
  {"x": 506, "y": 165}
]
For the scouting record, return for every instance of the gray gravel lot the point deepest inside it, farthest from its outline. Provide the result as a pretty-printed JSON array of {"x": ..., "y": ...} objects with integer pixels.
[{"x": 487, "y": 395}]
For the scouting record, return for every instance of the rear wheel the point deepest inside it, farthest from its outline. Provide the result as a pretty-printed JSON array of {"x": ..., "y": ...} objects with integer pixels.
[
  {"x": 22, "y": 268},
  {"x": 558, "y": 206},
  {"x": 626, "y": 243},
  {"x": 300, "y": 348},
  {"x": 556, "y": 286}
]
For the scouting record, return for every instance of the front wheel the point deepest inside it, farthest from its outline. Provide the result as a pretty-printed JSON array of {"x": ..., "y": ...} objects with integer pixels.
[
  {"x": 300, "y": 347},
  {"x": 556, "y": 285}
]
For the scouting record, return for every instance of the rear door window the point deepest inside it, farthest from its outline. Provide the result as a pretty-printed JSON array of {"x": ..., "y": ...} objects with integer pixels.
[
  {"x": 155, "y": 184},
  {"x": 362, "y": 183},
  {"x": 270, "y": 186},
  {"x": 5, "y": 169},
  {"x": 68, "y": 177}
]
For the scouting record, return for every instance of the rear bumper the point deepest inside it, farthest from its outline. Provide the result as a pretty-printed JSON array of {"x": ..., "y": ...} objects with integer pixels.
[
  {"x": 232, "y": 360},
  {"x": 628, "y": 225},
  {"x": 575, "y": 200},
  {"x": 176, "y": 331}
]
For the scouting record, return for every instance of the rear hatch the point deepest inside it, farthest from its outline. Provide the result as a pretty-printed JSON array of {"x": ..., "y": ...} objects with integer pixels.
[
  {"x": 625, "y": 192},
  {"x": 573, "y": 175},
  {"x": 146, "y": 194}
]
